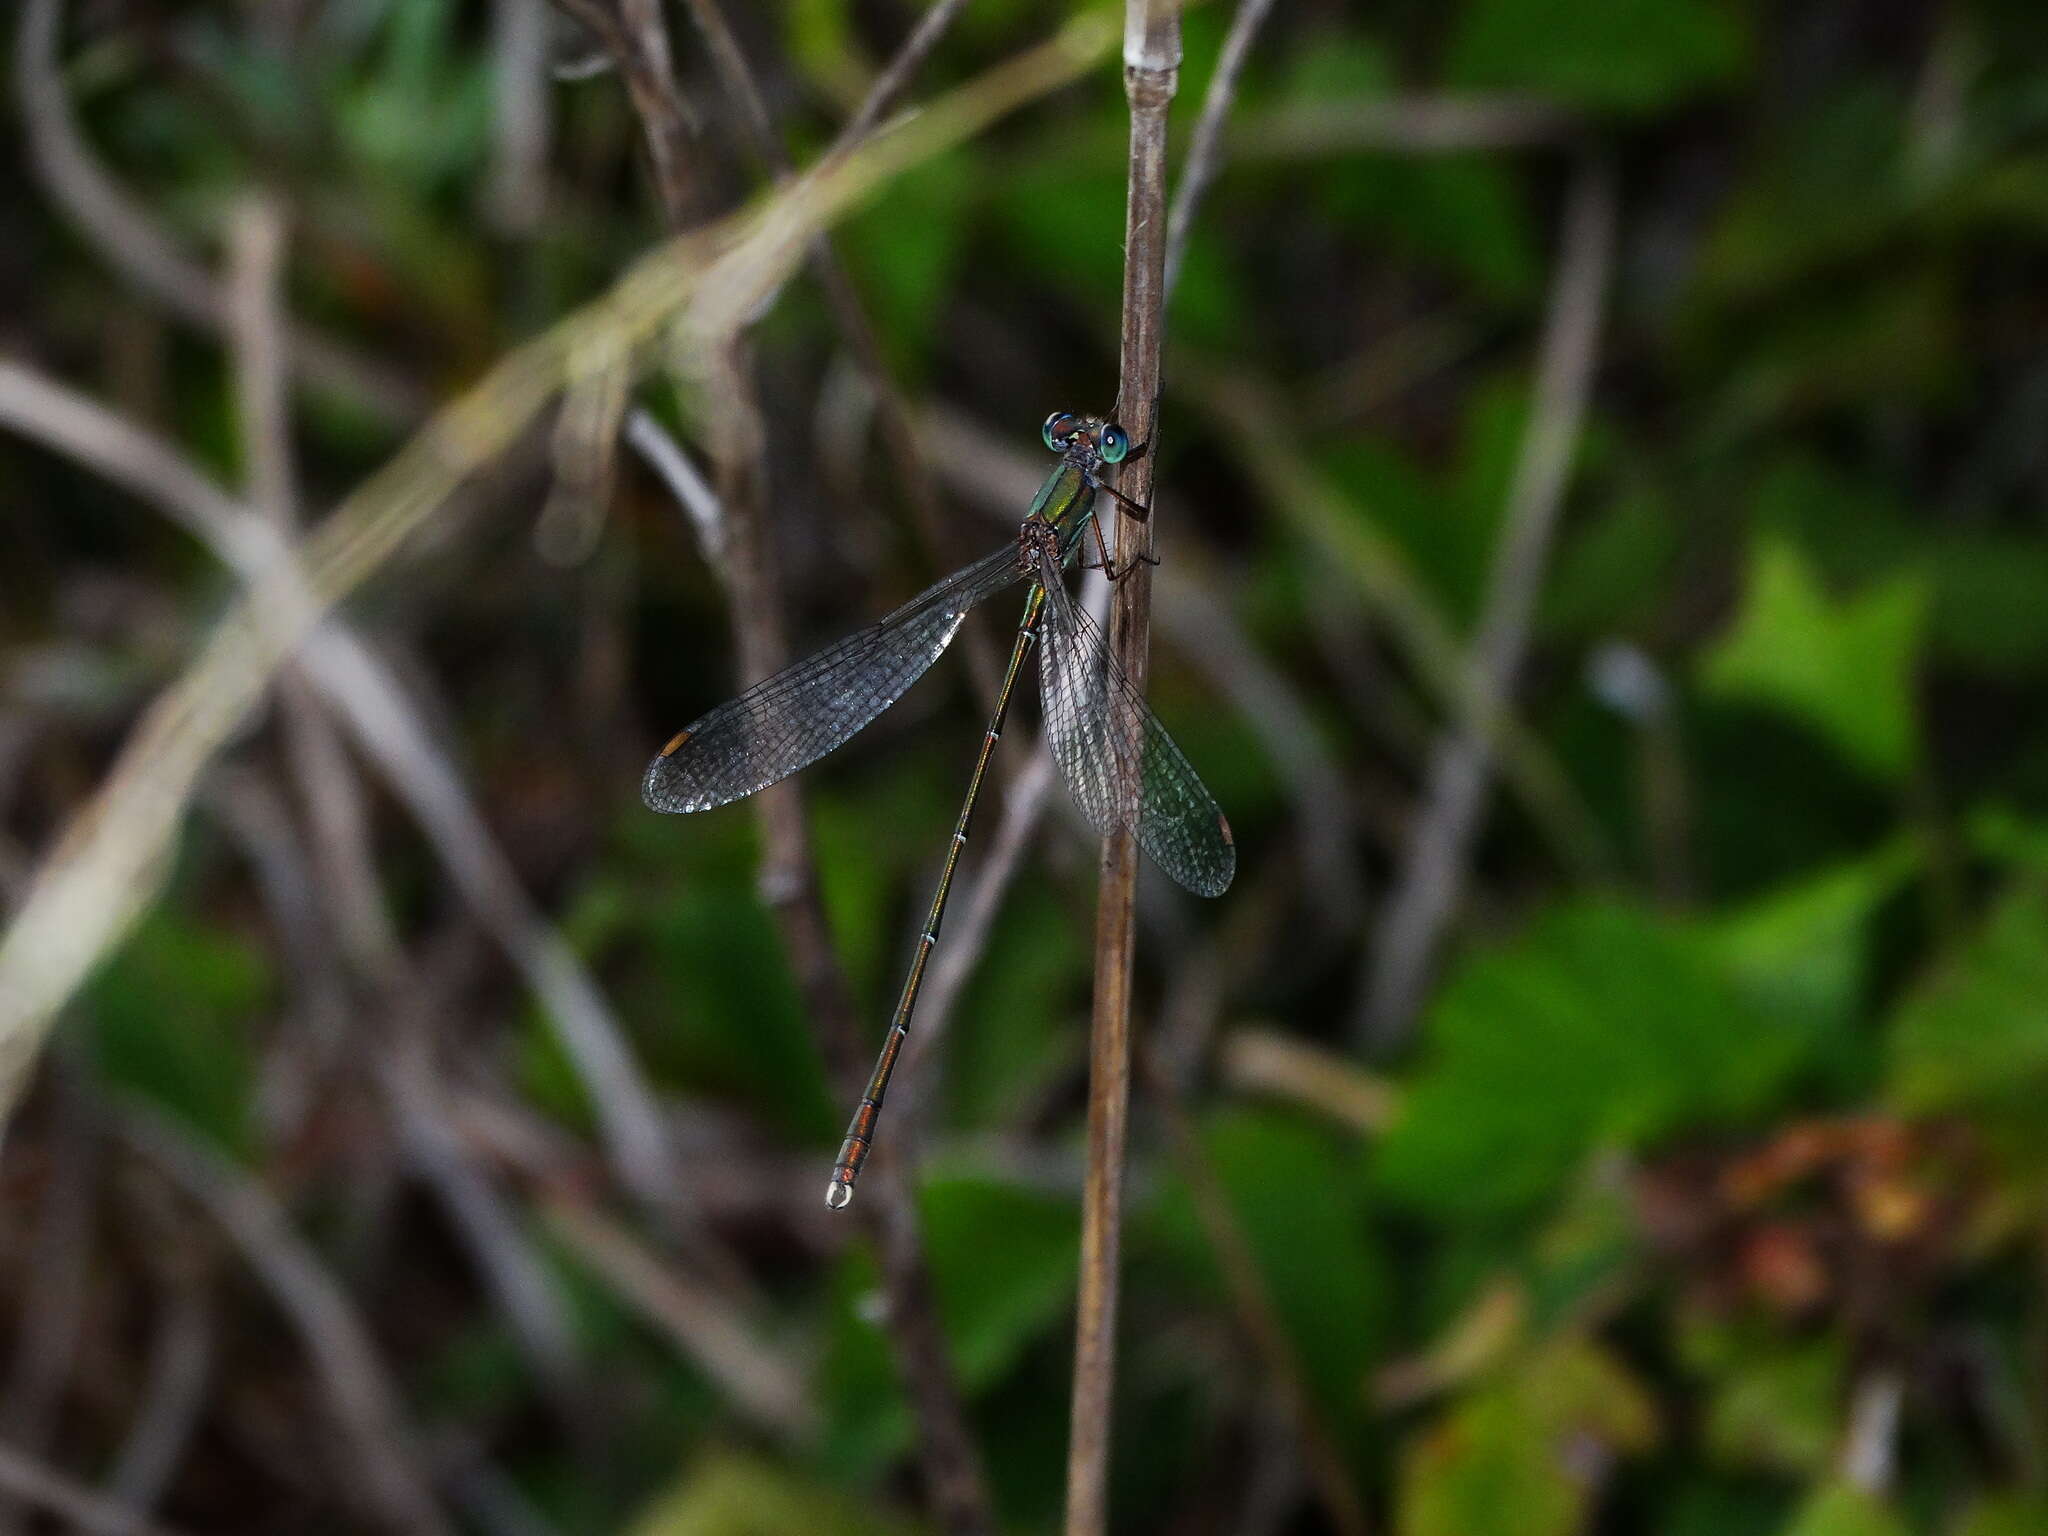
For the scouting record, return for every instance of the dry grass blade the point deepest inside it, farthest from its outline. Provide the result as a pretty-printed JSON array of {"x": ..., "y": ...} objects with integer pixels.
[{"x": 702, "y": 288}]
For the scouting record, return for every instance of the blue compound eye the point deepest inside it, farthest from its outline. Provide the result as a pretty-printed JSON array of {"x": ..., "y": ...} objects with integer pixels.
[
  {"x": 1059, "y": 426},
  {"x": 1112, "y": 442}
]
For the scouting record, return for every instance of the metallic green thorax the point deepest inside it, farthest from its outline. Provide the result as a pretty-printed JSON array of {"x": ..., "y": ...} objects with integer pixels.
[{"x": 1066, "y": 499}]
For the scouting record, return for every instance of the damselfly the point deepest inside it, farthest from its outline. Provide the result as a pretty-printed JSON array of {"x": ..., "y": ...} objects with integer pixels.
[{"x": 1118, "y": 762}]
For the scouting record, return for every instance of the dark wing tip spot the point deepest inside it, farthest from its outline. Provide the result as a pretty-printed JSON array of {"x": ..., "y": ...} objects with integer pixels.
[
  {"x": 1223, "y": 826},
  {"x": 674, "y": 742}
]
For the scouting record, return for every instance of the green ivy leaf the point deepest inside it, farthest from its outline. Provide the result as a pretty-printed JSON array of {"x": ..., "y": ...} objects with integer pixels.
[
  {"x": 1801, "y": 949},
  {"x": 1774, "y": 1404},
  {"x": 2012, "y": 1516},
  {"x": 1601, "y": 1026},
  {"x": 731, "y": 1495},
  {"x": 1840, "y": 1510},
  {"x": 1843, "y": 667},
  {"x": 1975, "y": 1032},
  {"x": 1501, "y": 1463}
]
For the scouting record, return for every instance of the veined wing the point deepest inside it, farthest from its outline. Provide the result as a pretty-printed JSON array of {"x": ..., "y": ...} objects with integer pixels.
[
  {"x": 1115, "y": 755},
  {"x": 795, "y": 717}
]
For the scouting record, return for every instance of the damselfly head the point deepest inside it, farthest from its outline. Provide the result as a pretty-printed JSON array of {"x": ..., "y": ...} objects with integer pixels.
[{"x": 1086, "y": 437}]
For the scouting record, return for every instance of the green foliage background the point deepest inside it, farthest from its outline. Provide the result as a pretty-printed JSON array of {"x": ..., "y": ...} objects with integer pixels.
[{"x": 1706, "y": 1197}]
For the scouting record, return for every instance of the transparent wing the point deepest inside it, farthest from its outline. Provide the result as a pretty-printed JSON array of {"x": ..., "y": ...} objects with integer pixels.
[
  {"x": 795, "y": 717},
  {"x": 1114, "y": 753}
]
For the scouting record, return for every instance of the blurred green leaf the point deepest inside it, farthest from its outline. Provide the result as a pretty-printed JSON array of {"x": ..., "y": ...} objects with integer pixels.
[
  {"x": 866, "y": 1416},
  {"x": 1287, "y": 1192},
  {"x": 1844, "y": 667},
  {"x": 1602, "y": 1025},
  {"x": 1822, "y": 189},
  {"x": 1988, "y": 613},
  {"x": 1985, "y": 585},
  {"x": 2013, "y": 1515},
  {"x": 1618, "y": 55},
  {"x": 1003, "y": 1264},
  {"x": 171, "y": 1019},
  {"x": 1774, "y": 1403},
  {"x": 2004, "y": 836},
  {"x": 1871, "y": 340},
  {"x": 1975, "y": 1031},
  {"x": 1017, "y": 1023},
  {"x": 1611, "y": 569},
  {"x": 1437, "y": 210},
  {"x": 1455, "y": 211},
  {"x": 1502, "y": 1462},
  {"x": 1706, "y": 1506},
  {"x": 729, "y": 1494},
  {"x": 1801, "y": 950},
  {"x": 1840, "y": 1510},
  {"x": 905, "y": 248}
]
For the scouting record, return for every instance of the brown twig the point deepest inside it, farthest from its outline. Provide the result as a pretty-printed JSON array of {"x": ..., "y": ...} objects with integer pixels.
[
  {"x": 1426, "y": 889},
  {"x": 648, "y": 70},
  {"x": 1151, "y": 74}
]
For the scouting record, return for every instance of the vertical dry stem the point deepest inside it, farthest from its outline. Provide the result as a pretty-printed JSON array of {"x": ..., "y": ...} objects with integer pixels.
[{"x": 1151, "y": 71}]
